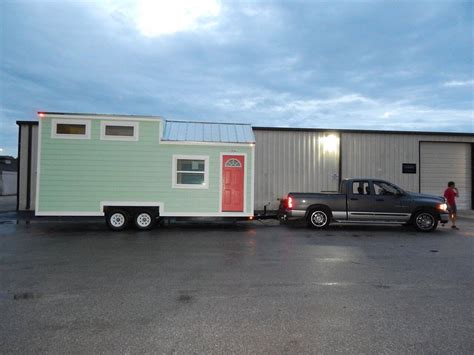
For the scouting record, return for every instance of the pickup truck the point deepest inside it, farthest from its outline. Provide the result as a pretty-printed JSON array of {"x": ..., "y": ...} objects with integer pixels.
[{"x": 366, "y": 200}]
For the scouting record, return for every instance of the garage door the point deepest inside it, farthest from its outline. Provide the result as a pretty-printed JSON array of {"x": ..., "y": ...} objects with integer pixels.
[{"x": 443, "y": 162}]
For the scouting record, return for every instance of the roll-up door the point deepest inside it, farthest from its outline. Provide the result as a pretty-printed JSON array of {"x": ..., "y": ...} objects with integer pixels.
[{"x": 443, "y": 162}]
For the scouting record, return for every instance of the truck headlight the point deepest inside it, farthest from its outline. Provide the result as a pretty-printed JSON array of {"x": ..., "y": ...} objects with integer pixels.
[{"x": 443, "y": 206}]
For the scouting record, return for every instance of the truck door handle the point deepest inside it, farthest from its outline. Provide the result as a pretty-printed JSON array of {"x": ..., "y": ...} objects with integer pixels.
[
  {"x": 379, "y": 199},
  {"x": 354, "y": 199}
]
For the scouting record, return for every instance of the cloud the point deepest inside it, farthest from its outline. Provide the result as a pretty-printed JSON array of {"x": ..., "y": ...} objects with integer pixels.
[
  {"x": 154, "y": 18},
  {"x": 457, "y": 83}
]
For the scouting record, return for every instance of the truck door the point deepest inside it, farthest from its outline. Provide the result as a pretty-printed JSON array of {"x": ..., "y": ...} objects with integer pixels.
[
  {"x": 360, "y": 200},
  {"x": 390, "y": 203}
]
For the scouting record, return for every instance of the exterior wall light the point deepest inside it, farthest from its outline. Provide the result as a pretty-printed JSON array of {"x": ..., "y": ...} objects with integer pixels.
[{"x": 330, "y": 143}]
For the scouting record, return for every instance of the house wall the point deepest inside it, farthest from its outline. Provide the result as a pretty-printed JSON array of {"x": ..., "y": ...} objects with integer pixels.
[{"x": 76, "y": 175}]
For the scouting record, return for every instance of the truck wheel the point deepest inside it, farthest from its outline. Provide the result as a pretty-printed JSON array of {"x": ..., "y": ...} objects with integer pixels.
[
  {"x": 116, "y": 220},
  {"x": 144, "y": 220},
  {"x": 425, "y": 221},
  {"x": 318, "y": 218}
]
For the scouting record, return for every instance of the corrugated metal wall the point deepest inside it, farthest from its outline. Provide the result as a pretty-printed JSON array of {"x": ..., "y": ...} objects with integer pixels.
[
  {"x": 293, "y": 161},
  {"x": 382, "y": 155}
]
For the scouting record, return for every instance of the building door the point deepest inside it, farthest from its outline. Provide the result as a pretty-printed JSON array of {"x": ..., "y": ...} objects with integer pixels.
[
  {"x": 443, "y": 162},
  {"x": 233, "y": 183}
]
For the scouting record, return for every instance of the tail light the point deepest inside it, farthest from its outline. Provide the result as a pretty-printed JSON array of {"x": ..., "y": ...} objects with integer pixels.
[{"x": 289, "y": 202}]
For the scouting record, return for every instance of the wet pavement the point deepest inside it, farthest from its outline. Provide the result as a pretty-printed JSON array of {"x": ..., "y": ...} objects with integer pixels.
[{"x": 73, "y": 286}]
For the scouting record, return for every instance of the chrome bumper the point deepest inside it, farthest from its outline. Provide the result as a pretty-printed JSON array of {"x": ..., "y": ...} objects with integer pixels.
[{"x": 295, "y": 214}]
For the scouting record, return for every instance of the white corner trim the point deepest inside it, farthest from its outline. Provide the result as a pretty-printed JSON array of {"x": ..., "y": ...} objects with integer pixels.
[
  {"x": 38, "y": 165},
  {"x": 105, "y": 137},
  {"x": 174, "y": 171},
  {"x": 55, "y": 122}
]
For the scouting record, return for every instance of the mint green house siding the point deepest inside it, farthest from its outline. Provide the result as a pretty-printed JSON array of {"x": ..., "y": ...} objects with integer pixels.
[{"x": 81, "y": 176}]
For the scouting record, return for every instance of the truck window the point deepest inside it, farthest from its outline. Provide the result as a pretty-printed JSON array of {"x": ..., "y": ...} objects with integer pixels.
[
  {"x": 360, "y": 188},
  {"x": 383, "y": 188}
]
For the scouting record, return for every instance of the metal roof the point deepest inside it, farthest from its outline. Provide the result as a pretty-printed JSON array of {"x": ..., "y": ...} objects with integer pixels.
[{"x": 207, "y": 132}]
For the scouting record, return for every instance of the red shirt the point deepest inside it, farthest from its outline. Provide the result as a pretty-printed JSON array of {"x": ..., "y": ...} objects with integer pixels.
[{"x": 450, "y": 195}]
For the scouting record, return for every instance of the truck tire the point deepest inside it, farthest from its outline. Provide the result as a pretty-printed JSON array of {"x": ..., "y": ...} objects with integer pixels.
[
  {"x": 318, "y": 218},
  {"x": 117, "y": 219},
  {"x": 144, "y": 220},
  {"x": 425, "y": 221}
]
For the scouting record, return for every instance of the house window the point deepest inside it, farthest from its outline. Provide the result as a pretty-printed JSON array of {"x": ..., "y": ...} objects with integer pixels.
[
  {"x": 190, "y": 171},
  {"x": 122, "y": 131},
  {"x": 71, "y": 129}
]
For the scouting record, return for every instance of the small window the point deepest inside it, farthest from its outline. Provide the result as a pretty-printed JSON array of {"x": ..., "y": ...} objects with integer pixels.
[
  {"x": 232, "y": 163},
  {"x": 190, "y": 171},
  {"x": 124, "y": 131},
  {"x": 71, "y": 129}
]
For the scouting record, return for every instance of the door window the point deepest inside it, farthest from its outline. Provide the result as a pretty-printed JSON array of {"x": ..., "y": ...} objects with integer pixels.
[{"x": 385, "y": 189}]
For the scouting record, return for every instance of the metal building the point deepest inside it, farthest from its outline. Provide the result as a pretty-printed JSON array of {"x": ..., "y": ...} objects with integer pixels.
[{"x": 314, "y": 160}]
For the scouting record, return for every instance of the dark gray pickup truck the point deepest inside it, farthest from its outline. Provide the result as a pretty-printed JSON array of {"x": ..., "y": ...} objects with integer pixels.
[{"x": 366, "y": 200}]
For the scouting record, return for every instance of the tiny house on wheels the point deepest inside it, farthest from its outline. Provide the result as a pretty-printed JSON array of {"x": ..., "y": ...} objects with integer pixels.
[{"x": 134, "y": 169}]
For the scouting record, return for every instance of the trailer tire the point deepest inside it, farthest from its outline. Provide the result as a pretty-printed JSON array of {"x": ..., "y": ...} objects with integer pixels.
[
  {"x": 144, "y": 220},
  {"x": 117, "y": 219},
  {"x": 318, "y": 218}
]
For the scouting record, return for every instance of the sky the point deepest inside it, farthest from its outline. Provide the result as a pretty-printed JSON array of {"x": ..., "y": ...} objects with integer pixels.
[{"x": 384, "y": 65}]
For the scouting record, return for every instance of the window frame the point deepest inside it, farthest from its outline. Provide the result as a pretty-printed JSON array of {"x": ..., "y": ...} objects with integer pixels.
[
  {"x": 104, "y": 137},
  {"x": 174, "y": 177},
  {"x": 55, "y": 122}
]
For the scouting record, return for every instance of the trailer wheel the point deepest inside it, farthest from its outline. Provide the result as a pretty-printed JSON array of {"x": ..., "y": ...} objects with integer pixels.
[
  {"x": 144, "y": 220},
  {"x": 318, "y": 218},
  {"x": 116, "y": 220}
]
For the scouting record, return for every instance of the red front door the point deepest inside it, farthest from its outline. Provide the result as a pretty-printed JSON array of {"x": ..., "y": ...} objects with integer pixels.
[{"x": 233, "y": 183}]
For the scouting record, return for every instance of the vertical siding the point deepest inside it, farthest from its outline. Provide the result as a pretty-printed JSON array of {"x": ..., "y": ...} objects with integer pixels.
[
  {"x": 292, "y": 161},
  {"x": 381, "y": 155}
]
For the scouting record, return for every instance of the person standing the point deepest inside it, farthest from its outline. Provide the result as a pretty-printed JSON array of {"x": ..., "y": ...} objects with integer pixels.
[{"x": 450, "y": 194}]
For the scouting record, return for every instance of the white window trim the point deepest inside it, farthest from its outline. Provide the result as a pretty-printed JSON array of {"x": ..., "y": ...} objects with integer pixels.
[
  {"x": 174, "y": 177},
  {"x": 55, "y": 122},
  {"x": 104, "y": 137}
]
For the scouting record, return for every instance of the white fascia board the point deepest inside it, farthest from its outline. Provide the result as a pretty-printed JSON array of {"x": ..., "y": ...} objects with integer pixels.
[
  {"x": 103, "y": 117},
  {"x": 209, "y": 143}
]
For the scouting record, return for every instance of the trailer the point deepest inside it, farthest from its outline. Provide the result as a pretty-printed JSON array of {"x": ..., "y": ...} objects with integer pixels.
[{"x": 136, "y": 169}]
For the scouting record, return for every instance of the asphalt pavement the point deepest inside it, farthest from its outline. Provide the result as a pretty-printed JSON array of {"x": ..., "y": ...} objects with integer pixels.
[{"x": 72, "y": 286}]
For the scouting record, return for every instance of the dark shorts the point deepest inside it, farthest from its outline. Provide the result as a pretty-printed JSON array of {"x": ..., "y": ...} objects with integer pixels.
[{"x": 452, "y": 209}]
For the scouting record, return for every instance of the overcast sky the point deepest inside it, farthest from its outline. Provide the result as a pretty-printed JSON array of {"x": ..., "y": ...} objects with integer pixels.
[{"x": 398, "y": 65}]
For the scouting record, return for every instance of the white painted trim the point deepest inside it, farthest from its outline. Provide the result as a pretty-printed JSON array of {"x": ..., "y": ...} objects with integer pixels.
[
  {"x": 206, "y": 214},
  {"x": 105, "y": 137},
  {"x": 252, "y": 186},
  {"x": 245, "y": 180},
  {"x": 69, "y": 213},
  {"x": 218, "y": 144},
  {"x": 102, "y": 117},
  {"x": 159, "y": 204},
  {"x": 38, "y": 167},
  {"x": 174, "y": 176},
  {"x": 165, "y": 214},
  {"x": 55, "y": 122}
]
